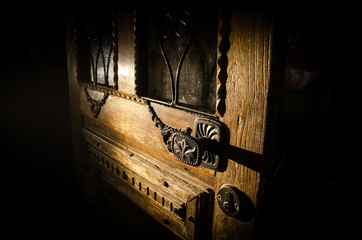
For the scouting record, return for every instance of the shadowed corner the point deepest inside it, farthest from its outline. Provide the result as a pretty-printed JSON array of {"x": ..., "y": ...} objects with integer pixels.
[{"x": 247, "y": 210}]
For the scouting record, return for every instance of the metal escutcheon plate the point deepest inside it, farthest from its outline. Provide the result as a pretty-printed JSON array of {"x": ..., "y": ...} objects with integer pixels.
[
  {"x": 185, "y": 148},
  {"x": 234, "y": 203}
]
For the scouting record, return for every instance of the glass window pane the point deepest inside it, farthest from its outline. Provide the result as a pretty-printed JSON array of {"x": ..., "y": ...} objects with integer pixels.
[
  {"x": 182, "y": 53},
  {"x": 95, "y": 43}
]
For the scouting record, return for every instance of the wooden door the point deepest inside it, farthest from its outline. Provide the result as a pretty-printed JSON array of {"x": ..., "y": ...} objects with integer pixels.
[{"x": 170, "y": 103}]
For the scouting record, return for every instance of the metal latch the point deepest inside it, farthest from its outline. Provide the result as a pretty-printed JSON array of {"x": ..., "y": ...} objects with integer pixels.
[{"x": 203, "y": 147}]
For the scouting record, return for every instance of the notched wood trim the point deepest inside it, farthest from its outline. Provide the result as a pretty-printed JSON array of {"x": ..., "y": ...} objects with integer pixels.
[{"x": 222, "y": 58}]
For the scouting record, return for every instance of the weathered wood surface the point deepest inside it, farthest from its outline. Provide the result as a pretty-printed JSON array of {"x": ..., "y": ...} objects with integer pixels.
[
  {"x": 126, "y": 49},
  {"x": 131, "y": 124},
  {"x": 247, "y": 87}
]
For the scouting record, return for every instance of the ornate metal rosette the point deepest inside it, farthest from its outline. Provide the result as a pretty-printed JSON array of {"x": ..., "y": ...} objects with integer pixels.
[{"x": 209, "y": 130}]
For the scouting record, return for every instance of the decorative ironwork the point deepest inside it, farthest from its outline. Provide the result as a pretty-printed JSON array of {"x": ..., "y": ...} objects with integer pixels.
[
  {"x": 178, "y": 141},
  {"x": 180, "y": 25},
  {"x": 96, "y": 42},
  {"x": 208, "y": 133},
  {"x": 166, "y": 131},
  {"x": 185, "y": 148},
  {"x": 100, "y": 51},
  {"x": 176, "y": 54},
  {"x": 96, "y": 105},
  {"x": 203, "y": 147}
]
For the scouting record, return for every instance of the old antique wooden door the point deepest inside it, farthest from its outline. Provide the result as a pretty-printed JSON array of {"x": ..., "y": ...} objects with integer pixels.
[{"x": 171, "y": 106}]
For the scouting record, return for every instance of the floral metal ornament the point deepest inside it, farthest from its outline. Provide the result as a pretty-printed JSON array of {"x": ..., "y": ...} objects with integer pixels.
[{"x": 186, "y": 148}]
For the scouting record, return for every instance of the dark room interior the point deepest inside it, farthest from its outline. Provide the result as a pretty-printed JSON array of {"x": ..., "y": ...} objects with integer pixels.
[
  {"x": 312, "y": 190},
  {"x": 39, "y": 196}
]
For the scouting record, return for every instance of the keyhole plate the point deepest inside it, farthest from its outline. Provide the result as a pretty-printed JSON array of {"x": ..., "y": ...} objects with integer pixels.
[
  {"x": 228, "y": 200},
  {"x": 234, "y": 203}
]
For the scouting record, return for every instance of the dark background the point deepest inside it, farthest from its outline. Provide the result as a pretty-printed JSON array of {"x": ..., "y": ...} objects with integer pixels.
[
  {"x": 318, "y": 129},
  {"x": 38, "y": 192}
]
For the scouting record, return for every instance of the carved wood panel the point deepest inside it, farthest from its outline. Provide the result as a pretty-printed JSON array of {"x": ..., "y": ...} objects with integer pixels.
[{"x": 173, "y": 201}]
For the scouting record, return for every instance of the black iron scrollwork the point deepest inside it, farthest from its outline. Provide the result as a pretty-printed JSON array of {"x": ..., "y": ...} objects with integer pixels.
[
  {"x": 166, "y": 131},
  {"x": 100, "y": 52},
  {"x": 181, "y": 25},
  {"x": 178, "y": 141},
  {"x": 96, "y": 40},
  {"x": 96, "y": 105}
]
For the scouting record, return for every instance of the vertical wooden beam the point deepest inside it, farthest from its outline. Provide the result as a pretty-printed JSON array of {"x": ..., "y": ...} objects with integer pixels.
[{"x": 246, "y": 107}]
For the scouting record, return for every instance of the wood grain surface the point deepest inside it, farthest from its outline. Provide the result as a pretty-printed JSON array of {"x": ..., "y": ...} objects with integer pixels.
[{"x": 247, "y": 88}]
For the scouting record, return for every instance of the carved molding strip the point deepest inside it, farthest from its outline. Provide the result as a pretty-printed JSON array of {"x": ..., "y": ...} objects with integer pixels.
[{"x": 113, "y": 92}]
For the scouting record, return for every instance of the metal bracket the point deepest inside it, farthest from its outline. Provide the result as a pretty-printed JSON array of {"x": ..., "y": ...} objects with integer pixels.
[
  {"x": 208, "y": 133},
  {"x": 202, "y": 148}
]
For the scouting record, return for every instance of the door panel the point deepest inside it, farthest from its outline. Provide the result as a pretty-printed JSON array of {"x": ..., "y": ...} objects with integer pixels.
[
  {"x": 131, "y": 135},
  {"x": 246, "y": 108}
]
